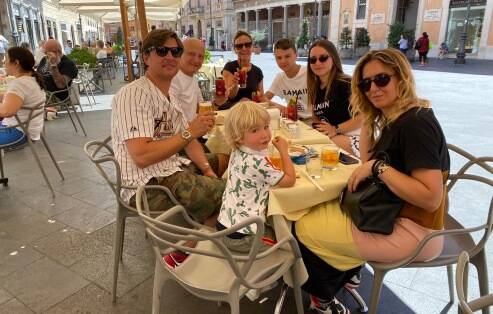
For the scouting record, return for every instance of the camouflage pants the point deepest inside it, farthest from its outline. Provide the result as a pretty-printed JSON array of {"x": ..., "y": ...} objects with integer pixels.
[{"x": 200, "y": 195}]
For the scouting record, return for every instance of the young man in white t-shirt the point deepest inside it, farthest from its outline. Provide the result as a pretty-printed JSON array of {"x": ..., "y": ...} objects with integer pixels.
[{"x": 292, "y": 80}]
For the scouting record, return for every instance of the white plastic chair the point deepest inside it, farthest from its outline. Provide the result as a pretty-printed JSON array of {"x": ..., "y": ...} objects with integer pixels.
[{"x": 212, "y": 271}]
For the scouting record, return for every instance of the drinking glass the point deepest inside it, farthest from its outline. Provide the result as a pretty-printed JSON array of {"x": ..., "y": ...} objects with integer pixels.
[
  {"x": 275, "y": 157},
  {"x": 206, "y": 106},
  {"x": 330, "y": 156},
  {"x": 313, "y": 167},
  {"x": 242, "y": 75}
]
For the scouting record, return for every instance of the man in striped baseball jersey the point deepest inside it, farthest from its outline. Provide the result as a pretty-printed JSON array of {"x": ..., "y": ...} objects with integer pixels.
[{"x": 148, "y": 131}]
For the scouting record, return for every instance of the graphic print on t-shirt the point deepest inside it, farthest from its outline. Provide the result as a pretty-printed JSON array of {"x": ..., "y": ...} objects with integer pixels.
[
  {"x": 288, "y": 93},
  {"x": 319, "y": 108},
  {"x": 163, "y": 127}
]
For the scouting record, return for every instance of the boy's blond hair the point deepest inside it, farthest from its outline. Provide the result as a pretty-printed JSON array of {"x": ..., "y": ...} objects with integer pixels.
[{"x": 242, "y": 117}]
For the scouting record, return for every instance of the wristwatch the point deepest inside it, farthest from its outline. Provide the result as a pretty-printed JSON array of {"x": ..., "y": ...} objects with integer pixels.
[
  {"x": 338, "y": 130},
  {"x": 186, "y": 135}
]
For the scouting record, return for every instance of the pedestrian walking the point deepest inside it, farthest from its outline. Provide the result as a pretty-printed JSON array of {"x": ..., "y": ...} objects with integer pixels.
[
  {"x": 403, "y": 44},
  {"x": 423, "y": 46}
]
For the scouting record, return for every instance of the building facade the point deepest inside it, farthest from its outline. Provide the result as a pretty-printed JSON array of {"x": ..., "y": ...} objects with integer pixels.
[
  {"x": 21, "y": 21},
  {"x": 443, "y": 20},
  {"x": 203, "y": 18}
]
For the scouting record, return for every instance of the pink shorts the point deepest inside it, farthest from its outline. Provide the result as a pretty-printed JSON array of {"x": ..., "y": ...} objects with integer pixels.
[{"x": 398, "y": 245}]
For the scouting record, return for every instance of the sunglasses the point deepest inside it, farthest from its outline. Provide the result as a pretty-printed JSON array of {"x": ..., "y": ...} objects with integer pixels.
[
  {"x": 163, "y": 51},
  {"x": 246, "y": 45},
  {"x": 381, "y": 80},
  {"x": 322, "y": 59}
]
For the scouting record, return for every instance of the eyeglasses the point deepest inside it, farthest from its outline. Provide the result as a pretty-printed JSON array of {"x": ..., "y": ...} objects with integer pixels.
[
  {"x": 381, "y": 80},
  {"x": 321, "y": 58},
  {"x": 163, "y": 51},
  {"x": 246, "y": 45}
]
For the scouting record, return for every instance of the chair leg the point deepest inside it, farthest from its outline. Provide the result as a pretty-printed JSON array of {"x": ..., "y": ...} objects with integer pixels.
[
  {"x": 38, "y": 161},
  {"x": 122, "y": 240},
  {"x": 3, "y": 179},
  {"x": 280, "y": 300},
  {"x": 297, "y": 289},
  {"x": 66, "y": 106},
  {"x": 376, "y": 289},
  {"x": 78, "y": 119},
  {"x": 450, "y": 275},
  {"x": 234, "y": 302},
  {"x": 357, "y": 297},
  {"x": 52, "y": 157},
  {"x": 158, "y": 287},
  {"x": 117, "y": 248},
  {"x": 479, "y": 261}
]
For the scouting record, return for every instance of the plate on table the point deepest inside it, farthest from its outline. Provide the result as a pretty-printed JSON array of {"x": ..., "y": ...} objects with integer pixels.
[{"x": 298, "y": 153}]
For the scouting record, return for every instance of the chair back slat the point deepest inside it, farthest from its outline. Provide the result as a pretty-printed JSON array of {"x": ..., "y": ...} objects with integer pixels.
[{"x": 165, "y": 233}]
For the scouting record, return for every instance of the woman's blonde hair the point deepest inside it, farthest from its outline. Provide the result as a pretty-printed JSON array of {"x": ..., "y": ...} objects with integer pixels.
[
  {"x": 241, "y": 118},
  {"x": 336, "y": 73},
  {"x": 374, "y": 119}
]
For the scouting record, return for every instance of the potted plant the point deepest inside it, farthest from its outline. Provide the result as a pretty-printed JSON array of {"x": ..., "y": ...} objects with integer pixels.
[
  {"x": 395, "y": 31},
  {"x": 345, "y": 44},
  {"x": 83, "y": 55},
  {"x": 302, "y": 40},
  {"x": 257, "y": 37},
  {"x": 362, "y": 42}
]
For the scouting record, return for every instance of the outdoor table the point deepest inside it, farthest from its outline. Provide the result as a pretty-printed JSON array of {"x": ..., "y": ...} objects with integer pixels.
[
  {"x": 308, "y": 136},
  {"x": 285, "y": 204},
  {"x": 212, "y": 70}
]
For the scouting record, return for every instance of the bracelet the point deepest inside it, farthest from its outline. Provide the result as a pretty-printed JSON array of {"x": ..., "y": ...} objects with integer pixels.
[
  {"x": 375, "y": 166},
  {"x": 382, "y": 167}
]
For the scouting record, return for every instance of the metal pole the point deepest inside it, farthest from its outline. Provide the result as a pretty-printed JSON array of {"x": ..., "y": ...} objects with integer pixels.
[
  {"x": 126, "y": 36},
  {"x": 80, "y": 29},
  {"x": 461, "y": 53}
]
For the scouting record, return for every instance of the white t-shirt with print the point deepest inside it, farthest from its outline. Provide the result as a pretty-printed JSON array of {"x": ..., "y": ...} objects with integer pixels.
[
  {"x": 32, "y": 95},
  {"x": 141, "y": 110},
  {"x": 185, "y": 92},
  {"x": 250, "y": 176},
  {"x": 286, "y": 87}
]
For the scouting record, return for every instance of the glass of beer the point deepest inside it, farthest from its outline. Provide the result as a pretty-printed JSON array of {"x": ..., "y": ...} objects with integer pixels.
[
  {"x": 220, "y": 87},
  {"x": 242, "y": 75},
  {"x": 206, "y": 106},
  {"x": 275, "y": 157},
  {"x": 330, "y": 156}
]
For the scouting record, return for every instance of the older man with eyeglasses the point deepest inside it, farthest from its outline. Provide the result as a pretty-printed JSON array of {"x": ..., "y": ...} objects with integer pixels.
[{"x": 148, "y": 131}]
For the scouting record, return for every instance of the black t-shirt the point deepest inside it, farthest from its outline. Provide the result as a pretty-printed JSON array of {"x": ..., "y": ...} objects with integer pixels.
[
  {"x": 254, "y": 77},
  {"x": 334, "y": 108},
  {"x": 415, "y": 140},
  {"x": 66, "y": 67}
]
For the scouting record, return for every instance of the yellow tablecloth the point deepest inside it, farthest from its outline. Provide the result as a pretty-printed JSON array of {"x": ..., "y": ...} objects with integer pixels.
[{"x": 308, "y": 136}]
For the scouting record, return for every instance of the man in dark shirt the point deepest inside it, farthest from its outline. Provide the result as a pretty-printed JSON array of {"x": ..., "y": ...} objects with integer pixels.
[{"x": 57, "y": 70}]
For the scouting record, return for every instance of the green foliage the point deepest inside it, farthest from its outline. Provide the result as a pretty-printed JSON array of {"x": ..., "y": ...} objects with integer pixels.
[
  {"x": 362, "y": 38},
  {"x": 258, "y": 36},
  {"x": 207, "y": 56},
  {"x": 395, "y": 31},
  {"x": 303, "y": 38},
  {"x": 82, "y": 55},
  {"x": 345, "y": 40},
  {"x": 119, "y": 36},
  {"x": 117, "y": 49}
]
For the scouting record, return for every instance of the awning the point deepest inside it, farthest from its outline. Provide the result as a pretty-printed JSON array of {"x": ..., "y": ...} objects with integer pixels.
[{"x": 109, "y": 11}]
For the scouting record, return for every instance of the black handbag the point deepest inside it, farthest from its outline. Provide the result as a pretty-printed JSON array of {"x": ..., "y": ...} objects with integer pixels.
[{"x": 373, "y": 207}]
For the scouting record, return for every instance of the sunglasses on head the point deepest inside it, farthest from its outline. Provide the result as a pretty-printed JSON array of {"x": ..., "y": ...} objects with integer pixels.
[
  {"x": 163, "y": 51},
  {"x": 381, "y": 80},
  {"x": 246, "y": 45},
  {"x": 322, "y": 59}
]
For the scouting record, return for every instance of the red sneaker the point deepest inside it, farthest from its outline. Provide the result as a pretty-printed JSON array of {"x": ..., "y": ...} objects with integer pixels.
[{"x": 175, "y": 258}]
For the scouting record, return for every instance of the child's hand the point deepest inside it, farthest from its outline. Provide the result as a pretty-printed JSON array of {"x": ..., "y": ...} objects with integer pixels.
[{"x": 280, "y": 143}]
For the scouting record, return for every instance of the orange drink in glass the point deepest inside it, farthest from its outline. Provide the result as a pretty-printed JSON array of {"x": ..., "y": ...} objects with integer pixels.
[
  {"x": 205, "y": 106},
  {"x": 330, "y": 156}
]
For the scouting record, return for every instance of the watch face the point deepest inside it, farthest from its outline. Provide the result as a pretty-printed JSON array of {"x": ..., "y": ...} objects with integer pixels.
[{"x": 186, "y": 134}]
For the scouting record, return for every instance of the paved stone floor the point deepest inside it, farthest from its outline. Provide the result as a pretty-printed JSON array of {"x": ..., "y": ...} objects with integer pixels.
[{"x": 56, "y": 255}]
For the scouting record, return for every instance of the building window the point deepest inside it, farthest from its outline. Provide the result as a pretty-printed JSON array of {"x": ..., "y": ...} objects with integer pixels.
[
  {"x": 346, "y": 18},
  {"x": 361, "y": 10},
  {"x": 456, "y": 24}
]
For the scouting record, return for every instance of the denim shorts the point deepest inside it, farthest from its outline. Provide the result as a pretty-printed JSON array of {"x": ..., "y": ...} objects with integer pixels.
[{"x": 11, "y": 136}]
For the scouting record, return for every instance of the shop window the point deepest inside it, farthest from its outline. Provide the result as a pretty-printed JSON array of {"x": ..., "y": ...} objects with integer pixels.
[
  {"x": 457, "y": 23},
  {"x": 361, "y": 10}
]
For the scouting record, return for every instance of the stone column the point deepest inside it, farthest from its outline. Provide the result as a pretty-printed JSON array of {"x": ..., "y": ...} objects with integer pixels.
[
  {"x": 302, "y": 7},
  {"x": 246, "y": 20},
  {"x": 319, "y": 19},
  {"x": 285, "y": 22},
  {"x": 269, "y": 28},
  {"x": 257, "y": 11}
]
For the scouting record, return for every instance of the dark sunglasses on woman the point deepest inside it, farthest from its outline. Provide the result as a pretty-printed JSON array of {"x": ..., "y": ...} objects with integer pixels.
[
  {"x": 381, "y": 80},
  {"x": 246, "y": 45},
  {"x": 322, "y": 59},
  {"x": 163, "y": 51}
]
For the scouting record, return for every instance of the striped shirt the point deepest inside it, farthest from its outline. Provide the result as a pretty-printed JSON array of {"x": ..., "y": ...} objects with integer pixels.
[{"x": 141, "y": 110}]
